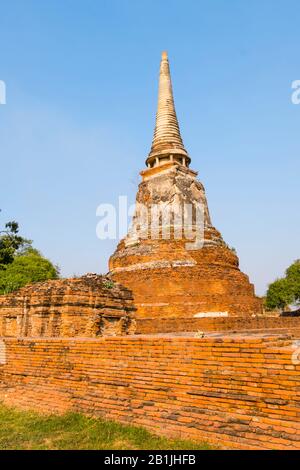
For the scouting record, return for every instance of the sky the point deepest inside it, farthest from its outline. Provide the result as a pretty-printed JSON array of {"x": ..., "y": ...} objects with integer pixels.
[{"x": 81, "y": 89}]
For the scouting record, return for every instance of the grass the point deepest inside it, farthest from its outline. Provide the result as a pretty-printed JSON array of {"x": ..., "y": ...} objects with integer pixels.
[{"x": 28, "y": 430}]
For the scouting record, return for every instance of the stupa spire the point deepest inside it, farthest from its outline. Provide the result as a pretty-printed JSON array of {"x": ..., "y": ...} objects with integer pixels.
[{"x": 167, "y": 143}]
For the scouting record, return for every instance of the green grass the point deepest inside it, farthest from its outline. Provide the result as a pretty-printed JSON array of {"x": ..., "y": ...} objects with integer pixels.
[{"x": 30, "y": 430}]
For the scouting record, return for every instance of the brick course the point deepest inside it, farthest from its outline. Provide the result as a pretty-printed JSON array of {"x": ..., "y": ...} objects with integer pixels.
[
  {"x": 235, "y": 391},
  {"x": 185, "y": 324}
]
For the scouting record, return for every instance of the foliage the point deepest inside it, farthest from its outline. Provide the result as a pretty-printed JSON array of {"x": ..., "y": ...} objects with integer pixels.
[
  {"x": 279, "y": 295},
  {"x": 21, "y": 264},
  {"x": 29, "y": 430},
  {"x": 10, "y": 243},
  {"x": 27, "y": 267},
  {"x": 108, "y": 284},
  {"x": 285, "y": 291},
  {"x": 293, "y": 278}
]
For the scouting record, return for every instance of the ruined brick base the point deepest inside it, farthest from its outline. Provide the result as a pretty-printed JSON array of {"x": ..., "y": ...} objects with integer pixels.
[
  {"x": 172, "y": 274},
  {"x": 91, "y": 305},
  {"x": 169, "y": 281}
]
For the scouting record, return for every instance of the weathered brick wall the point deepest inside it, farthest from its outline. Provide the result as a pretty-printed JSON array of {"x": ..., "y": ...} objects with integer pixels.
[
  {"x": 87, "y": 306},
  {"x": 238, "y": 392},
  {"x": 171, "y": 325}
]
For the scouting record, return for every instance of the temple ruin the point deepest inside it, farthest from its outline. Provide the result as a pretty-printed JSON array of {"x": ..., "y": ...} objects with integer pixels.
[
  {"x": 172, "y": 339},
  {"x": 173, "y": 276},
  {"x": 88, "y": 306}
]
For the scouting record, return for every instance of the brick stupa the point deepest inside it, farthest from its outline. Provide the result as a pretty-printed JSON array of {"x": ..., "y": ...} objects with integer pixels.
[{"x": 169, "y": 277}]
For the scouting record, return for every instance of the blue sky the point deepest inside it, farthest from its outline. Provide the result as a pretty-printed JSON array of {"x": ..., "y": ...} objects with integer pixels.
[{"x": 81, "y": 81}]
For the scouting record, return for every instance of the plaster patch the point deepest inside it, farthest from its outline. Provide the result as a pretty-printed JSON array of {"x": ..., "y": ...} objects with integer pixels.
[
  {"x": 2, "y": 352},
  {"x": 211, "y": 314}
]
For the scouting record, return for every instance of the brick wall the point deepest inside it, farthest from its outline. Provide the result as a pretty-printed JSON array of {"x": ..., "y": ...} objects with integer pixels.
[
  {"x": 234, "y": 391},
  {"x": 171, "y": 325}
]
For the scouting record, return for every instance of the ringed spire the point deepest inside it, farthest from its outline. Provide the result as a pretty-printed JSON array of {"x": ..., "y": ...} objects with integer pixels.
[{"x": 167, "y": 144}]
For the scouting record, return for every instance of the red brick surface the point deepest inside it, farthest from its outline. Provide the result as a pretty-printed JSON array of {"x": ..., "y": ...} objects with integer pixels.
[
  {"x": 235, "y": 391},
  {"x": 170, "y": 325},
  {"x": 87, "y": 306}
]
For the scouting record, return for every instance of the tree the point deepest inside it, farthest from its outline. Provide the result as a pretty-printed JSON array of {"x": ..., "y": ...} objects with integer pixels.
[
  {"x": 27, "y": 267},
  {"x": 293, "y": 278},
  {"x": 279, "y": 295},
  {"x": 285, "y": 291},
  {"x": 10, "y": 243}
]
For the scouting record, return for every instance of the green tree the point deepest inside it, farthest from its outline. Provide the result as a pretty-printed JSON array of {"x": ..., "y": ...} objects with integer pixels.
[
  {"x": 293, "y": 278},
  {"x": 27, "y": 267},
  {"x": 285, "y": 291},
  {"x": 10, "y": 243},
  {"x": 279, "y": 294}
]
